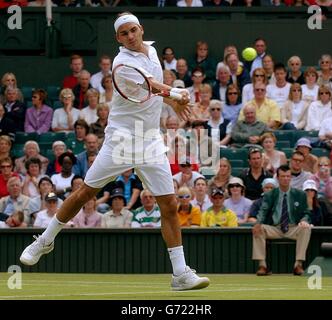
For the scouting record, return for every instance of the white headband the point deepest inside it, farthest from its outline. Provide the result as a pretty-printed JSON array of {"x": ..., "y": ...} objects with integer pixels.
[{"x": 125, "y": 19}]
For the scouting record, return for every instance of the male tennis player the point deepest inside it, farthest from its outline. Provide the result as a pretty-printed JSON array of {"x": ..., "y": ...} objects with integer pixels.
[{"x": 125, "y": 116}]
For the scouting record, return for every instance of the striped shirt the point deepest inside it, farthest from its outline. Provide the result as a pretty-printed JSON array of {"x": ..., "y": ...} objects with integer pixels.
[{"x": 143, "y": 218}]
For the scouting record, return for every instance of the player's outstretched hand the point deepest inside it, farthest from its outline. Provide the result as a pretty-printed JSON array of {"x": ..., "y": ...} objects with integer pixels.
[{"x": 182, "y": 110}]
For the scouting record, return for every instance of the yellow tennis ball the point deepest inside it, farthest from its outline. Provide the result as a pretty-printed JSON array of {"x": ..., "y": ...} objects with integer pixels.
[{"x": 249, "y": 54}]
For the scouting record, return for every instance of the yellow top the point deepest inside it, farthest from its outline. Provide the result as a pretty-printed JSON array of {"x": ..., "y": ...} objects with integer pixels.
[{"x": 224, "y": 218}]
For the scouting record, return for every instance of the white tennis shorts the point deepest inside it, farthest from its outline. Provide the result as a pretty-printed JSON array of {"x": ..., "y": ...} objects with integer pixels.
[{"x": 155, "y": 177}]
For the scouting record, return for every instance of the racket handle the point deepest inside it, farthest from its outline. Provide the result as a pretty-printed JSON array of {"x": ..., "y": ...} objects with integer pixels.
[{"x": 175, "y": 95}]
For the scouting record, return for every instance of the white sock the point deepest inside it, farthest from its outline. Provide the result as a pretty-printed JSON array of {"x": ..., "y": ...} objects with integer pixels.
[
  {"x": 262, "y": 263},
  {"x": 54, "y": 227},
  {"x": 177, "y": 259}
]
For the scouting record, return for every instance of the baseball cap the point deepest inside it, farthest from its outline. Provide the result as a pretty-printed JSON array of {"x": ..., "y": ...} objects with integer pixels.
[
  {"x": 216, "y": 191},
  {"x": 51, "y": 196},
  {"x": 303, "y": 142},
  {"x": 117, "y": 193},
  {"x": 178, "y": 84},
  {"x": 309, "y": 184}
]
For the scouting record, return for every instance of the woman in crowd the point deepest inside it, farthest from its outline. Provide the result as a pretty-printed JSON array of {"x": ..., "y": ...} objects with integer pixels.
[
  {"x": 294, "y": 112},
  {"x": 201, "y": 111},
  {"x": 268, "y": 66},
  {"x": 58, "y": 148},
  {"x": 310, "y": 188},
  {"x": 88, "y": 217},
  {"x": 6, "y": 167},
  {"x": 233, "y": 105},
  {"x": 258, "y": 75},
  {"x": 31, "y": 150},
  {"x": 325, "y": 72},
  {"x": 237, "y": 202},
  {"x": 310, "y": 88},
  {"x": 5, "y": 146},
  {"x": 107, "y": 84},
  {"x": 65, "y": 117},
  {"x": 273, "y": 158},
  {"x": 323, "y": 178},
  {"x": 295, "y": 75},
  {"x": 223, "y": 176},
  {"x": 32, "y": 177},
  {"x": 9, "y": 80}
]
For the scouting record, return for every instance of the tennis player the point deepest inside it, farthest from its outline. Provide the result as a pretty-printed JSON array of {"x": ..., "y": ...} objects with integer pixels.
[{"x": 125, "y": 120}]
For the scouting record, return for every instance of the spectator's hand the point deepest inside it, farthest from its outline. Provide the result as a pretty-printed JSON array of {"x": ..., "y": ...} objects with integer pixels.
[
  {"x": 185, "y": 178},
  {"x": 257, "y": 230},
  {"x": 304, "y": 224}
]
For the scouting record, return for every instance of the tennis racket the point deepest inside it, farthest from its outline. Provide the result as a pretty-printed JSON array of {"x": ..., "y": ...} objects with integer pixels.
[{"x": 133, "y": 85}]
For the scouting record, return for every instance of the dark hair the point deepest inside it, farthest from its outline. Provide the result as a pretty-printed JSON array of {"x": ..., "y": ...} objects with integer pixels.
[
  {"x": 67, "y": 154},
  {"x": 283, "y": 168},
  {"x": 42, "y": 94},
  {"x": 200, "y": 178},
  {"x": 75, "y": 177},
  {"x": 82, "y": 123},
  {"x": 103, "y": 80},
  {"x": 279, "y": 66},
  {"x": 254, "y": 150},
  {"x": 298, "y": 152},
  {"x": 32, "y": 160},
  {"x": 234, "y": 87},
  {"x": 260, "y": 39},
  {"x": 164, "y": 50},
  {"x": 45, "y": 179}
]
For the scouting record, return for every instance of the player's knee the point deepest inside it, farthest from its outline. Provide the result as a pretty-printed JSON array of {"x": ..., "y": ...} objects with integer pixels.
[
  {"x": 169, "y": 208},
  {"x": 85, "y": 193}
]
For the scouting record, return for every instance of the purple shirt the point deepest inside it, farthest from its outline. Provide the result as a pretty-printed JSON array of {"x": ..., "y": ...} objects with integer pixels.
[{"x": 39, "y": 122}]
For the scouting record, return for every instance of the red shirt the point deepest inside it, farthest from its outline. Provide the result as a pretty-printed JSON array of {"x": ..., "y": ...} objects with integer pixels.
[
  {"x": 3, "y": 185},
  {"x": 69, "y": 82}
]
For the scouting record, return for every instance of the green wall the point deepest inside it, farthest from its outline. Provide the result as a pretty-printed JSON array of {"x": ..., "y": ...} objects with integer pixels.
[
  {"x": 143, "y": 251},
  {"x": 89, "y": 31}
]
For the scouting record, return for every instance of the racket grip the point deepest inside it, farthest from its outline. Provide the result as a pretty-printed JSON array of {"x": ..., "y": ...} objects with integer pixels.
[{"x": 175, "y": 95}]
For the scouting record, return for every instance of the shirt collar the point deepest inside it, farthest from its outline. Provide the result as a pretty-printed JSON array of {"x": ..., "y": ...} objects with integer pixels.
[{"x": 135, "y": 53}]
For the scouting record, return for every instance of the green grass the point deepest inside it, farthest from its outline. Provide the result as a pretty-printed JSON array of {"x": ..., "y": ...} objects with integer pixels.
[{"x": 157, "y": 287}]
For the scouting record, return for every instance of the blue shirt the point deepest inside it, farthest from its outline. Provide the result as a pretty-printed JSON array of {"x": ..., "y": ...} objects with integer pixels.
[{"x": 127, "y": 186}]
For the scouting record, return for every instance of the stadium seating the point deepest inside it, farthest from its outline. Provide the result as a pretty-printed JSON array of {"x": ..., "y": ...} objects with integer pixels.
[
  {"x": 27, "y": 92},
  {"x": 50, "y": 137},
  {"x": 22, "y": 137},
  {"x": 235, "y": 154}
]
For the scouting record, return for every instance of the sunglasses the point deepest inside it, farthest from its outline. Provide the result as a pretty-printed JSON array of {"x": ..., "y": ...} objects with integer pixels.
[
  {"x": 324, "y": 165},
  {"x": 6, "y": 166},
  {"x": 232, "y": 93},
  {"x": 296, "y": 90},
  {"x": 215, "y": 109},
  {"x": 325, "y": 62},
  {"x": 184, "y": 196},
  {"x": 260, "y": 90},
  {"x": 321, "y": 93},
  {"x": 236, "y": 185},
  {"x": 259, "y": 75}
]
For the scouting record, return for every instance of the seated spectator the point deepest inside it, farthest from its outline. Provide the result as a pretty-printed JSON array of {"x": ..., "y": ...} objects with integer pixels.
[
  {"x": 267, "y": 110},
  {"x": 268, "y": 66},
  {"x": 309, "y": 187},
  {"x": 319, "y": 110},
  {"x": 76, "y": 65},
  {"x": 9, "y": 80},
  {"x": 182, "y": 72},
  {"x": 98, "y": 127},
  {"x": 310, "y": 162},
  {"x": 188, "y": 215},
  {"x": 202, "y": 148},
  {"x": 258, "y": 75},
  {"x": 219, "y": 129},
  {"x": 325, "y": 72},
  {"x": 201, "y": 111},
  {"x": 15, "y": 201},
  {"x": 323, "y": 178},
  {"x": 310, "y": 88},
  {"x": 222, "y": 83},
  {"x": 186, "y": 176},
  {"x": 189, "y": 3},
  {"x": 169, "y": 59},
  {"x": 15, "y": 109},
  {"x": 5, "y": 146},
  {"x": 249, "y": 129},
  {"x": 260, "y": 46},
  {"x": 89, "y": 113},
  {"x": 222, "y": 177},
  {"x": 58, "y": 148},
  {"x": 31, "y": 150},
  {"x": 107, "y": 94},
  {"x": 295, "y": 75},
  {"x": 201, "y": 199},
  {"x": 39, "y": 3},
  {"x": 279, "y": 91},
  {"x": 203, "y": 60},
  {"x": 105, "y": 65},
  {"x": 237, "y": 202},
  {"x": 88, "y": 217},
  {"x": 65, "y": 117},
  {"x": 325, "y": 134},
  {"x": 62, "y": 180},
  {"x": 253, "y": 176},
  {"x": 6, "y": 124},
  {"x": 45, "y": 186},
  {"x": 197, "y": 77},
  {"x": 283, "y": 214},
  {"x": 91, "y": 146},
  {"x": 131, "y": 186},
  {"x": 294, "y": 112},
  {"x": 119, "y": 216},
  {"x": 298, "y": 175},
  {"x": 81, "y": 129},
  {"x": 148, "y": 215},
  {"x": 239, "y": 75},
  {"x": 16, "y": 220},
  {"x": 32, "y": 177},
  {"x": 217, "y": 215},
  {"x": 268, "y": 184},
  {"x": 39, "y": 117},
  {"x": 44, "y": 217},
  {"x": 273, "y": 158},
  {"x": 6, "y": 167},
  {"x": 169, "y": 77}
]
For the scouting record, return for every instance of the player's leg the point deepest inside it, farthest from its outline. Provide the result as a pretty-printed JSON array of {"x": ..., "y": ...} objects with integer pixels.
[{"x": 158, "y": 179}]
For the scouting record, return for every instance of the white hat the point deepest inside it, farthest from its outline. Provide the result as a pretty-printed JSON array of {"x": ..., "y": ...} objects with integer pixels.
[
  {"x": 303, "y": 142},
  {"x": 310, "y": 184},
  {"x": 236, "y": 180},
  {"x": 178, "y": 84}
]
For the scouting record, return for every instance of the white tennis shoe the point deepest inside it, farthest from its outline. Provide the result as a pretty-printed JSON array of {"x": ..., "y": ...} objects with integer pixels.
[
  {"x": 35, "y": 250},
  {"x": 189, "y": 280}
]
